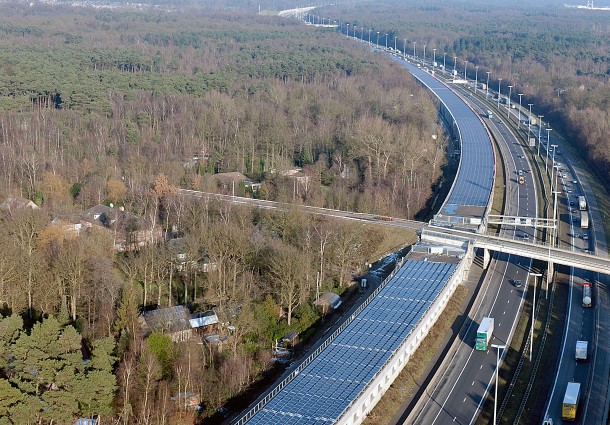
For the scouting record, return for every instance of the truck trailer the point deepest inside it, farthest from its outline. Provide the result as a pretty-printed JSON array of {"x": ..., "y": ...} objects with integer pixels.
[
  {"x": 581, "y": 350},
  {"x": 484, "y": 334},
  {"x": 584, "y": 220},
  {"x": 570, "y": 401},
  {"x": 587, "y": 295}
]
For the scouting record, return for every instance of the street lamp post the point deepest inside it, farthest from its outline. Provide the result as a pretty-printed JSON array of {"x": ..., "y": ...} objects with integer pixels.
[
  {"x": 369, "y": 37},
  {"x": 536, "y": 275},
  {"x": 548, "y": 137},
  {"x": 354, "y": 30},
  {"x": 529, "y": 122},
  {"x": 539, "y": 131},
  {"x": 487, "y": 93},
  {"x": 553, "y": 240},
  {"x": 510, "y": 90},
  {"x": 394, "y": 43},
  {"x": 404, "y": 49},
  {"x": 476, "y": 78},
  {"x": 424, "y": 54},
  {"x": 465, "y": 65},
  {"x": 499, "y": 347},
  {"x": 347, "y": 30},
  {"x": 444, "y": 67},
  {"x": 414, "y": 43},
  {"x": 499, "y": 88},
  {"x": 362, "y": 33},
  {"x": 433, "y": 58},
  {"x": 553, "y": 166},
  {"x": 386, "y": 41},
  {"x": 377, "y": 39},
  {"x": 519, "y": 119},
  {"x": 454, "y": 65}
]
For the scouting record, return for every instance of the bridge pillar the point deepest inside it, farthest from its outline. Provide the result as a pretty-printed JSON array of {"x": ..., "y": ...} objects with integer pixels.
[
  {"x": 549, "y": 275},
  {"x": 486, "y": 258}
]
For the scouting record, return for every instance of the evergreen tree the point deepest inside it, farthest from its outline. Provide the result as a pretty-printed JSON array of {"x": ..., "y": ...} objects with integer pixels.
[{"x": 46, "y": 378}]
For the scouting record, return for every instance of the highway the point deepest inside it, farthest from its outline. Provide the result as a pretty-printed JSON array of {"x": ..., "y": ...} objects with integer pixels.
[
  {"x": 462, "y": 387},
  {"x": 582, "y": 323}
]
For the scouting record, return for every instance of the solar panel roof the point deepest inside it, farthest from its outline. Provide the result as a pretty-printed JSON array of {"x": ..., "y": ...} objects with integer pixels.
[
  {"x": 474, "y": 181},
  {"x": 327, "y": 386}
]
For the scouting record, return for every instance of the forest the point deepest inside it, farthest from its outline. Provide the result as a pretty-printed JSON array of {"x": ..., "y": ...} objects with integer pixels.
[
  {"x": 104, "y": 116},
  {"x": 558, "y": 57}
]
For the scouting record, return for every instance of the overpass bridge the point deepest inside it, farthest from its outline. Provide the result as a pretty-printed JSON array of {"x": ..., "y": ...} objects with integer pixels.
[{"x": 537, "y": 251}]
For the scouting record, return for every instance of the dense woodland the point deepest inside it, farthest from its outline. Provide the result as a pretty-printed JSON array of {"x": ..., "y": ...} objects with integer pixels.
[
  {"x": 558, "y": 57},
  {"x": 122, "y": 108}
]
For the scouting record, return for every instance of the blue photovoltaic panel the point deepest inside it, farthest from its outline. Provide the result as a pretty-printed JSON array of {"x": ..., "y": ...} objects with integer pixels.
[
  {"x": 326, "y": 387},
  {"x": 474, "y": 182}
]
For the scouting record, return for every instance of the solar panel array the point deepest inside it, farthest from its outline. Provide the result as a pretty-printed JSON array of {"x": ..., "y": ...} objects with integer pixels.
[
  {"x": 474, "y": 181},
  {"x": 326, "y": 387}
]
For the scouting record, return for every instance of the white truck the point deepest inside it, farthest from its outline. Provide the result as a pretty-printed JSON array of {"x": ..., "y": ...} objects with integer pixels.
[
  {"x": 581, "y": 350},
  {"x": 484, "y": 333},
  {"x": 582, "y": 203},
  {"x": 584, "y": 220}
]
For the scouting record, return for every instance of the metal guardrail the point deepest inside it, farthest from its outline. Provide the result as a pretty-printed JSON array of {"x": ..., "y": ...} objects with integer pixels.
[{"x": 260, "y": 404}]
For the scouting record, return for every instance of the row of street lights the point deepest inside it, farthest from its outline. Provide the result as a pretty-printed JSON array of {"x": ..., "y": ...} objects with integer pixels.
[
  {"x": 536, "y": 276},
  {"x": 510, "y": 87}
]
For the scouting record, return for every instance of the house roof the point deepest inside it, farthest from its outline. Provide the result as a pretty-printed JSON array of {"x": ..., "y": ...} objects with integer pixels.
[
  {"x": 206, "y": 318},
  {"x": 101, "y": 213},
  {"x": 13, "y": 203},
  {"x": 331, "y": 299},
  {"x": 234, "y": 176},
  {"x": 168, "y": 320},
  {"x": 86, "y": 421}
]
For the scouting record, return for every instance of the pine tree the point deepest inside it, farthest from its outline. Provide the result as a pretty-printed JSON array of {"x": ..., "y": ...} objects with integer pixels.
[{"x": 46, "y": 378}]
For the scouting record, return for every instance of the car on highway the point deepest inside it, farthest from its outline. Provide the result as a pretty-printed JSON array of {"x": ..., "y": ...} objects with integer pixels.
[
  {"x": 575, "y": 181},
  {"x": 517, "y": 283},
  {"x": 585, "y": 237},
  {"x": 572, "y": 204},
  {"x": 523, "y": 236}
]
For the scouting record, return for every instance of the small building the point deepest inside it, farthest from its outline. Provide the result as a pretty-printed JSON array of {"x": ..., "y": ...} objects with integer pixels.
[
  {"x": 291, "y": 339},
  {"x": 172, "y": 321},
  {"x": 179, "y": 323},
  {"x": 205, "y": 322},
  {"x": 13, "y": 204},
  {"x": 86, "y": 421},
  {"x": 301, "y": 181},
  {"x": 328, "y": 302},
  {"x": 215, "y": 340},
  {"x": 129, "y": 231},
  {"x": 188, "y": 400},
  {"x": 67, "y": 228},
  {"x": 230, "y": 181}
]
